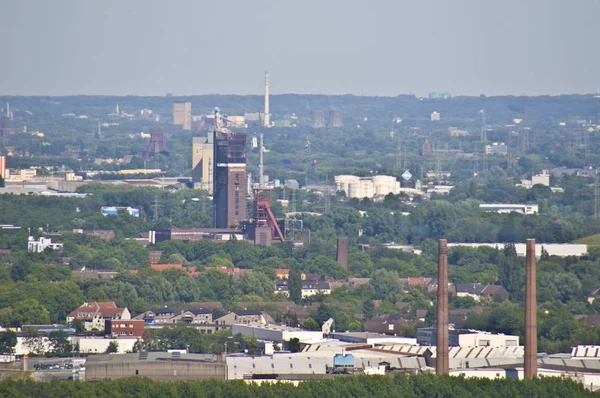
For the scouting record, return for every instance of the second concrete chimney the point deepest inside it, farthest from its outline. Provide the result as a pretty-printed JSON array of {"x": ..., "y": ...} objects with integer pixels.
[
  {"x": 442, "y": 364},
  {"x": 342, "y": 252},
  {"x": 530, "y": 313}
]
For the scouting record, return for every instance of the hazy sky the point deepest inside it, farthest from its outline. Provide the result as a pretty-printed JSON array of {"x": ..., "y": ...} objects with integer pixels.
[{"x": 377, "y": 47}]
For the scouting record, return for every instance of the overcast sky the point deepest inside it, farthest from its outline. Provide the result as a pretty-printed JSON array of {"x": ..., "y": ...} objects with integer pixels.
[{"x": 377, "y": 47}]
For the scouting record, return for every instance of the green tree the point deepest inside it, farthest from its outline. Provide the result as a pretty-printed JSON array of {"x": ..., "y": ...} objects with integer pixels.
[
  {"x": 511, "y": 274},
  {"x": 27, "y": 312},
  {"x": 61, "y": 346},
  {"x": 295, "y": 285},
  {"x": 368, "y": 308},
  {"x": 310, "y": 324},
  {"x": 113, "y": 347},
  {"x": 8, "y": 341},
  {"x": 294, "y": 345}
]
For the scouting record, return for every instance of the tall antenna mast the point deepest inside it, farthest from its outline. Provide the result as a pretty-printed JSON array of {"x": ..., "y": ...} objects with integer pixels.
[
  {"x": 267, "y": 121},
  {"x": 327, "y": 198},
  {"x": 596, "y": 198},
  {"x": 483, "y": 128},
  {"x": 155, "y": 206},
  {"x": 261, "y": 174},
  {"x": 307, "y": 160}
]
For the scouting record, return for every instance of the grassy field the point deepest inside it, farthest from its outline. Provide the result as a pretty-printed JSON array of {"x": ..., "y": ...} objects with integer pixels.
[{"x": 592, "y": 240}]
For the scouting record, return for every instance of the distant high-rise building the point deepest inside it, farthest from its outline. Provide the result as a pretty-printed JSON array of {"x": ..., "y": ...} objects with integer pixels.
[
  {"x": 435, "y": 116},
  {"x": 229, "y": 176},
  {"x": 317, "y": 120},
  {"x": 202, "y": 162},
  {"x": 3, "y": 166},
  {"x": 426, "y": 148},
  {"x": 335, "y": 119},
  {"x": 182, "y": 115},
  {"x": 497, "y": 148}
]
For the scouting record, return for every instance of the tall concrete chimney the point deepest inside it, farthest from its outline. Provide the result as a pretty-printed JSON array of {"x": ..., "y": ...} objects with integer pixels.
[
  {"x": 442, "y": 365},
  {"x": 530, "y": 313},
  {"x": 342, "y": 252},
  {"x": 267, "y": 118}
]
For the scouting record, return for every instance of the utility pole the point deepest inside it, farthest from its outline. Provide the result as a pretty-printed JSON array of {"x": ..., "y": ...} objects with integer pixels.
[
  {"x": 438, "y": 165},
  {"x": 327, "y": 198},
  {"x": 261, "y": 174},
  {"x": 155, "y": 206},
  {"x": 596, "y": 198},
  {"x": 307, "y": 160}
]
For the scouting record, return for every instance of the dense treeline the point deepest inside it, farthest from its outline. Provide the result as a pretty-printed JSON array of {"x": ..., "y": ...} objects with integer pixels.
[
  {"x": 457, "y": 217},
  {"x": 352, "y": 386}
]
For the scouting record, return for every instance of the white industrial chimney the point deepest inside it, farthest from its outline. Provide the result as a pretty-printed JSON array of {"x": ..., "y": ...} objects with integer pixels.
[{"x": 267, "y": 118}]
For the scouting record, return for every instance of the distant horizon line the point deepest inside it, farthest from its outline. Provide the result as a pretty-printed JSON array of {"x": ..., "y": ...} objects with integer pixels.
[{"x": 595, "y": 95}]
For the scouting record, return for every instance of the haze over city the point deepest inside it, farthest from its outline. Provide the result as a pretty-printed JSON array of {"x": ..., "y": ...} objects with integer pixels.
[
  {"x": 331, "y": 47},
  {"x": 261, "y": 198}
]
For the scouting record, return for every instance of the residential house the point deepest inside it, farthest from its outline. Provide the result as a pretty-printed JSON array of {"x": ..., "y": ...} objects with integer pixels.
[
  {"x": 284, "y": 273},
  {"x": 125, "y": 328},
  {"x": 386, "y": 324},
  {"x": 358, "y": 281},
  {"x": 243, "y": 317},
  {"x": 335, "y": 283},
  {"x": 590, "y": 320},
  {"x": 421, "y": 314},
  {"x": 495, "y": 291},
  {"x": 164, "y": 267},
  {"x": 479, "y": 290},
  {"x": 466, "y": 311},
  {"x": 193, "y": 316},
  {"x": 155, "y": 257},
  {"x": 191, "y": 271},
  {"x": 209, "y": 305},
  {"x": 175, "y": 315},
  {"x": 95, "y": 314},
  {"x": 309, "y": 287},
  {"x": 457, "y": 321},
  {"x": 433, "y": 286},
  {"x": 102, "y": 234},
  {"x": 229, "y": 271},
  {"x": 419, "y": 283},
  {"x": 102, "y": 274}
]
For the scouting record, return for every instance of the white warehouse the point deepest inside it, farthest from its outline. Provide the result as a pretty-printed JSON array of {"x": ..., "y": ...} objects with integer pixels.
[
  {"x": 510, "y": 208},
  {"x": 277, "y": 333}
]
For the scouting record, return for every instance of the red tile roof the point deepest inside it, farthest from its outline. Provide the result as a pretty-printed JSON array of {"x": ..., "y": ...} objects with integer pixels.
[{"x": 164, "y": 267}]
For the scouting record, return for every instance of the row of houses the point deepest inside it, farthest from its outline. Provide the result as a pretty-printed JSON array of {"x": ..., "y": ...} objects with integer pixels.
[{"x": 117, "y": 322}]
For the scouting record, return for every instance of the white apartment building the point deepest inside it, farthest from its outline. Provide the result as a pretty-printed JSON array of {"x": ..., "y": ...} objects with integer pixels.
[
  {"x": 38, "y": 246},
  {"x": 539, "y": 179}
]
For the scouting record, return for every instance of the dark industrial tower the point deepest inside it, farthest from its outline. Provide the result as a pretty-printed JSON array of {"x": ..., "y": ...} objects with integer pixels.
[
  {"x": 229, "y": 178},
  {"x": 157, "y": 144}
]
